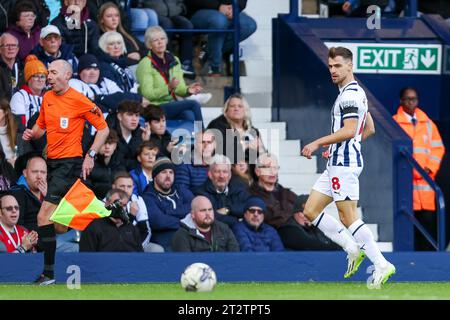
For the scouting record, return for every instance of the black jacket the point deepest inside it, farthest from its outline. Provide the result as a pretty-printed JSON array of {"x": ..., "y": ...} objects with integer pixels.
[
  {"x": 29, "y": 206},
  {"x": 189, "y": 239},
  {"x": 84, "y": 40},
  {"x": 232, "y": 140},
  {"x": 102, "y": 175},
  {"x": 234, "y": 200},
  {"x": 126, "y": 151},
  {"x": 116, "y": 70},
  {"x": 67, "y": 54},
  {"x": 6, "y": 74},
  {"x": 102, "y": 235},
  {"x": 162, "y": 142}
]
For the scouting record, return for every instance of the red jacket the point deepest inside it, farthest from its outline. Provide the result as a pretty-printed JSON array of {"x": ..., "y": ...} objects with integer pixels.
[{"x": 17, "y": 237}]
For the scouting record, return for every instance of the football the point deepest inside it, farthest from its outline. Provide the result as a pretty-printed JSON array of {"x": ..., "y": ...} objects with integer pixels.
[{"x": 198, "y": 277}]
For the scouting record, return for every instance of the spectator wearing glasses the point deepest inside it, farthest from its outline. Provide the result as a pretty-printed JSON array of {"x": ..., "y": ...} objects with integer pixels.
[
  {"x": 51, "y": 48},
  {"x": 252, "y": 233},
  {"x": 193, "y": 172},
  {"x": 279, "y": 200},
  {"x": 24, "y": 27},
  {"x": 11, "y": 70},
  {"x": 428, "y": 151},
  {"x": 13, "y": 237},
  {"x": 27, "y": 101},
  {"x": 227, "y": 195}
]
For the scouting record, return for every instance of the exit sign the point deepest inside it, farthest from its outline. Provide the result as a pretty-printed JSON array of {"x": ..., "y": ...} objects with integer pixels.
[{"x": 394, "y": 58}]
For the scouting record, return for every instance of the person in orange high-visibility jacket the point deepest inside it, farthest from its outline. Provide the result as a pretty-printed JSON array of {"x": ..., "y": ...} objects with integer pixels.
[{"x": 428, "y": 151}]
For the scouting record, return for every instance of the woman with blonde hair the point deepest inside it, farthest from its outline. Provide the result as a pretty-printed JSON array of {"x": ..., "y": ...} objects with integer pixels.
[
  {"x": 161, "y": 80},
  {"x": 8, "y": 131},
  {"x": 237, "y": 132},
  {"x": 113, "y": 61},
  {"x": 110, "y": 19}
]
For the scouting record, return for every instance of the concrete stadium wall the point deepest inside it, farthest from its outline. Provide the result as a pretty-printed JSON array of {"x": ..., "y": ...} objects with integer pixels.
[{"x": 229, "y": 267}]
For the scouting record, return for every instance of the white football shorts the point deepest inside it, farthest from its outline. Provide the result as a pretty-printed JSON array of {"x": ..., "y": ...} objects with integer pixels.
[{"x": 339, "y": 183}]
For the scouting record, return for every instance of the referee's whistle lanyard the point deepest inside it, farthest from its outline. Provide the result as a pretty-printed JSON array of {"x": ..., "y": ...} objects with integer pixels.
[{"x": 8, "y": 234}]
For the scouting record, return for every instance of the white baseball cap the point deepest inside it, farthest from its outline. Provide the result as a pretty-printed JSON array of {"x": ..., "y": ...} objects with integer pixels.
[{"x": 50, "y": 29}]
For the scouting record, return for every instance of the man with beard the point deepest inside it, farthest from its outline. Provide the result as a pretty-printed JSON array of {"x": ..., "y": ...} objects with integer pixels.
[
  {"x": 62, "y": 117},
  {"x": 199, "y": 231},
  {"x": 166, "y": 203}
]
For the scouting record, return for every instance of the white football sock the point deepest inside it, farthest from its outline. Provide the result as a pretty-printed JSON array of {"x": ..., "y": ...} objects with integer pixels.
[
  {"x": 364, "y": 238},
  {"x": 336, "y": 232}
]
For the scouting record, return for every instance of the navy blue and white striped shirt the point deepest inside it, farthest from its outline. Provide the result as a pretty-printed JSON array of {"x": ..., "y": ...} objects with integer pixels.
[{"x": 350, "y": 103}]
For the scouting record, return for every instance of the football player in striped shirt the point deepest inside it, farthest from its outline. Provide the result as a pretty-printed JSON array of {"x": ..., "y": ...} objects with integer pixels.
[{"x": 351, "y": 123}]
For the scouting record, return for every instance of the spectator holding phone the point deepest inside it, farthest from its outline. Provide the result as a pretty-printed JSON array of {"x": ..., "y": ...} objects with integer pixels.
[{"x": 160, "y": 136}]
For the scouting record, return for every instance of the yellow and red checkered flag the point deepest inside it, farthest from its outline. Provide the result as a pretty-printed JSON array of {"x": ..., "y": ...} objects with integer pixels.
[{"x": 79, "y": 207}]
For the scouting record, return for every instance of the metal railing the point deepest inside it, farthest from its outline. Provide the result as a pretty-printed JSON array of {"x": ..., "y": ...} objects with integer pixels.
[
  {"x": 440, "y": 244},
  {"x": 410, "y": 8},
  {"x": 235, "y": 30}
]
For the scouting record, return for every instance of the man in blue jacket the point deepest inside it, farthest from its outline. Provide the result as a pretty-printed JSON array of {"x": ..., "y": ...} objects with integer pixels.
[
  {"x": 166, "y": 203},
  {"x": 252, "y": 233}
]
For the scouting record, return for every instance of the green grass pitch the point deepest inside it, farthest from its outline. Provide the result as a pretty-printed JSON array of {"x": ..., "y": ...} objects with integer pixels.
[{"x": 234, "y": 291}]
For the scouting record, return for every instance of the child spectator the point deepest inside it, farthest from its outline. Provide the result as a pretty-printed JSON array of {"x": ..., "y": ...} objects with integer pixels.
[
  {"x": 142, "y": 175},
  {"x": 126, "y": 123},
  {"x": 107, "y": 163},
  {"x": 160, "y": 136}
]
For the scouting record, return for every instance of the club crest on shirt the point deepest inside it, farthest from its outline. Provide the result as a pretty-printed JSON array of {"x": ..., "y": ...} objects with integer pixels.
[{"x": 64, "y": 122}]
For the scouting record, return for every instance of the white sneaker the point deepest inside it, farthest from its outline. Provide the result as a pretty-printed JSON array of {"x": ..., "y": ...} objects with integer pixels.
[
  {"x": 201, "y": 98},
  {"x": 382, "y": 274}
]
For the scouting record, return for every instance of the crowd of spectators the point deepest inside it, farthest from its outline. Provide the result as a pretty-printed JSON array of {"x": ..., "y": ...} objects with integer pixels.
[{"x": 223, "y": 196}]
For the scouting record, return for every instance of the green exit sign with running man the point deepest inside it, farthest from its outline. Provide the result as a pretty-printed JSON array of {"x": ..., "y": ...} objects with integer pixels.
[{"x": 394, "y": 58}]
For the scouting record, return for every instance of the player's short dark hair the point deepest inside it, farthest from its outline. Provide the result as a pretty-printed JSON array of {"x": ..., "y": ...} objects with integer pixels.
[
  {"x": 122, "y": 174},
  {"x": 149, "y": 144},
  {"x": 129, "y": 106},
  {"x": 112, "y": 137},
  {"x": 153, "y": 113},
  {"x": 403, "y": 91},
  {"x": 340, "y": 51}
]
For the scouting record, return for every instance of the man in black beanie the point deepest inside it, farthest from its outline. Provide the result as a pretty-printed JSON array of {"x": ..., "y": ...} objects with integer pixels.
[{"x": 166, "y": 203}]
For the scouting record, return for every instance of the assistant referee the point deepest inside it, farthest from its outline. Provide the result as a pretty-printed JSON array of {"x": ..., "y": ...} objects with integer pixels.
[{"x": 63, "y": 114}]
